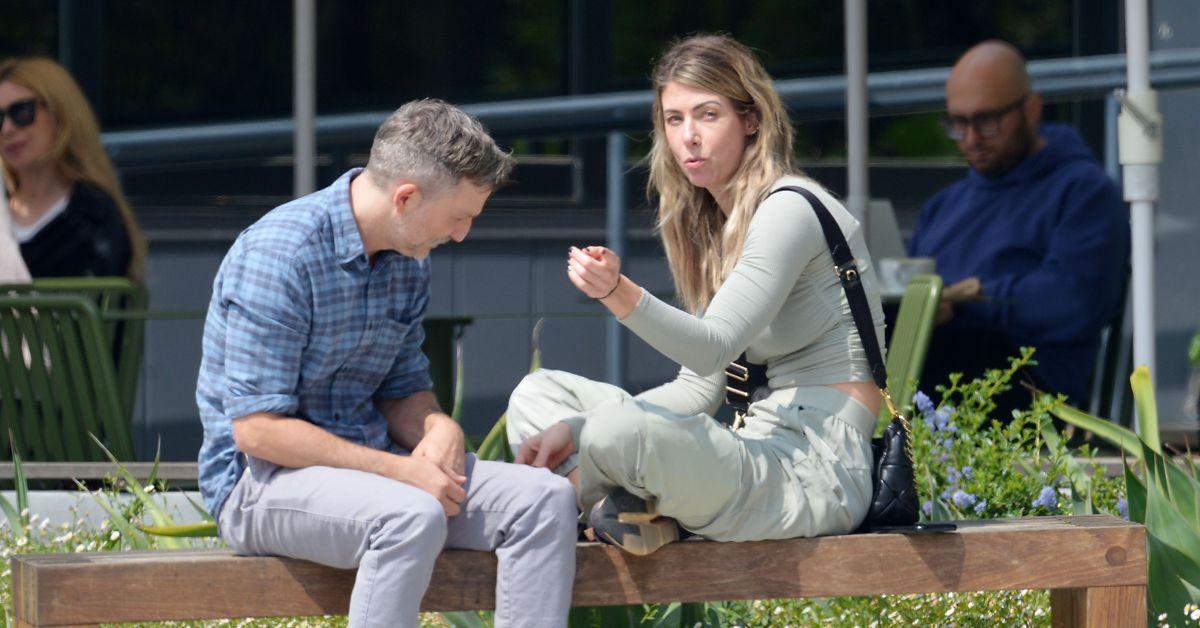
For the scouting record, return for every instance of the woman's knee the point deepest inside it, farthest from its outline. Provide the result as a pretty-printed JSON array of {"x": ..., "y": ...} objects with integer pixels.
[{"x": 616, "y": 426}]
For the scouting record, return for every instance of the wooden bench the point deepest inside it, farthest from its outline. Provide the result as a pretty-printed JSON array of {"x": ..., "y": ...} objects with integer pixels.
[{"x": 1095, "y": 567}]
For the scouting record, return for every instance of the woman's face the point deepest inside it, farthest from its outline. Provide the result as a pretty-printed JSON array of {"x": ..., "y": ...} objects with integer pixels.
[
  {"x": 706, "y": 135},
  {"x": 23, "y": 146}
]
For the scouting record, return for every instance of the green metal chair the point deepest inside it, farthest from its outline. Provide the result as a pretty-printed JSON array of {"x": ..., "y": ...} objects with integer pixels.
[
  {"x": 57, "y": 381},
  {"x": 122, "y": 303},
  {"x": 910, "y": 340}
]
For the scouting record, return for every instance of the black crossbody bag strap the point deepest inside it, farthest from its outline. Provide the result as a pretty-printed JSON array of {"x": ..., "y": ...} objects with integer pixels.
[
  {"x": 894, "y": 496},
  {"x": 848, "y": 274}
]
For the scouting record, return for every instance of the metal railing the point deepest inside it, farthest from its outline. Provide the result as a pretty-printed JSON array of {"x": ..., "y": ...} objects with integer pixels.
[
  {"x": 612, "y": 113},
  {"x": 889, "y": 92}
]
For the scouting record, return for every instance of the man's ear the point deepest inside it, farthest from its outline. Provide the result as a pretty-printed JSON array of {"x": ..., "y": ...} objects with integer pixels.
[
  {"x": 1033, "y": 109},
  {"x": 406, "y": 196}
]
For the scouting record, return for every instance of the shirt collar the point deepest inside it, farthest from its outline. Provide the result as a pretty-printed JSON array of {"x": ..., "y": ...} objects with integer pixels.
[{"x": 347, "y": 241}]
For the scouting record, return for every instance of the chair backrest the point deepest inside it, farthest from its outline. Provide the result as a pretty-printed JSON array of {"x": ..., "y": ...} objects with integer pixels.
[
  {"x": 910, "y": 339},
  {"x": 57, "y": 381},
  {"x": 122, "y": 303},
  {"x": 1108, "y": 394}
]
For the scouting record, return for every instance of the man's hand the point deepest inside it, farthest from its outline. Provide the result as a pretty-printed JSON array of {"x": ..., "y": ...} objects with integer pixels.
[
  {"x": 445, "y": 445},
  {"x": 429, "y": 476},
  {"x": 548, "y": 448},
  {"x": 969, "y": 289}
]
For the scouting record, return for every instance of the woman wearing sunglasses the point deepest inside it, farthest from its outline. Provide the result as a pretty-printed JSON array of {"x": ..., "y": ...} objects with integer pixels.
[
  {"x": 67, "y": 210},
  {"x": 755, "y": 275}
]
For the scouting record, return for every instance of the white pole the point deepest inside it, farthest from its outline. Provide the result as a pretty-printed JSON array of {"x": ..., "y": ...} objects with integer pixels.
[
  {"x": 857, "y": 194},
  {"x": 1139, "y": 132},
  {"x": 304, "y": 102}
]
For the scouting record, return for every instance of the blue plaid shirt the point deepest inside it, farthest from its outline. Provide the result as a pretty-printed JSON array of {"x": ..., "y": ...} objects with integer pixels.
[{"x": 301, "y": 324}]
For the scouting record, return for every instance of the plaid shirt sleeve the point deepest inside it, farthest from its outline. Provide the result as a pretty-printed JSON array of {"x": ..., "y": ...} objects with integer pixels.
[
  {"x": 265, "y": 333},
  {"x": 410, "y": 372}
]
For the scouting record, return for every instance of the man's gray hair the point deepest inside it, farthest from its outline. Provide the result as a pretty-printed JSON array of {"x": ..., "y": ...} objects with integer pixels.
[{"x": 436, "y": 145}]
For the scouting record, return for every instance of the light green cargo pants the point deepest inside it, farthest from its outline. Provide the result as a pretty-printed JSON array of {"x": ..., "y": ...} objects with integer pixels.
[{"x": 799, "y": 467}]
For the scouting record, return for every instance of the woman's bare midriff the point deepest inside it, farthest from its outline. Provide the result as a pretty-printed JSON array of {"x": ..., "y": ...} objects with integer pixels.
[{"x": 864, "y": 392}]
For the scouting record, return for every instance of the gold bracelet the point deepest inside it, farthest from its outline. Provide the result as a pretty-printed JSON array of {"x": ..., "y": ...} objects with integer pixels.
[{"x": 615, "y": 285}]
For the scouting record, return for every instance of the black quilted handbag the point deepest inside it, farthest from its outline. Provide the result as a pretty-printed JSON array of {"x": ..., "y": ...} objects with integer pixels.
[{"x": 894, "y": 493}]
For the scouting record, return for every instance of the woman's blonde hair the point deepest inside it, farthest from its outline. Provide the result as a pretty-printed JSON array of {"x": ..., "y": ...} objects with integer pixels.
[
  {"x": 703, "y": 245},
  {"x": 77, "y": 153}
]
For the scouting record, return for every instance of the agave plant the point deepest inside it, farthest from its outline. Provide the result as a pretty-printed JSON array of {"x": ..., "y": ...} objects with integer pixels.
[{"x": 1162, "y": 494}]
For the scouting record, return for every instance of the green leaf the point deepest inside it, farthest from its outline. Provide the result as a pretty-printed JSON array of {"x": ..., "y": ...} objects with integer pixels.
[
  {"x": 119, "y": 522},
  {"x": 204, "y": 514},
  {"x": 1081, "y": 482},
  {"x": 160, "y": 516},
  {"x": 462, "y": 619},
  {"x": 1167, "y": 592},
  {"x": 1135, "y": 495},
  {"x": 20, "y": 484},
  {"x": 1147, "y": 409},
  {"x": 1178, "y": 488},
  {"x": 192, "y": 530},
  {"x": 668, "y": 616},
  {"x": 495, "y": 444},
  {"x": 12, "y": 514},
  {"x": 1109, "y": 431}
]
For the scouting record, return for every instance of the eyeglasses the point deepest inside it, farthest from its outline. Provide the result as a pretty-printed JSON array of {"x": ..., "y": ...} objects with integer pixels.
[
  {"x": 22, "y": 113},
  {"x": 985, "y": 123}
]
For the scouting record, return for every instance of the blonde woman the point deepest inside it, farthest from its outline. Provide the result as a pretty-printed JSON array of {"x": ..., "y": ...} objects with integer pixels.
[
  {"x": 755, "y": 275},
  {"x": 67, "y": 210}
]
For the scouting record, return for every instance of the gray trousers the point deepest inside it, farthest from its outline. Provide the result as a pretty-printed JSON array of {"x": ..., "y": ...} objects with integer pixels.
[
  {"x": 392, "y": 533},
  {"x": 800, "y": 467}
]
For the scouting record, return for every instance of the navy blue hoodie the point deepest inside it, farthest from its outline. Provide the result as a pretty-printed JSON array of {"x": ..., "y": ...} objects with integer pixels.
[{"x": 1049, "y": 241}]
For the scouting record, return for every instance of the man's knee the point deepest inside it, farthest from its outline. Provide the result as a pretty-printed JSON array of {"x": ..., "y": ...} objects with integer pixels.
[{"x": 419, "y": 521}]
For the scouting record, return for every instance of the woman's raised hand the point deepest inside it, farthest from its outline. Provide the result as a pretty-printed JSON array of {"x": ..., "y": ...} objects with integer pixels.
[{"x": 595, "y": 270}]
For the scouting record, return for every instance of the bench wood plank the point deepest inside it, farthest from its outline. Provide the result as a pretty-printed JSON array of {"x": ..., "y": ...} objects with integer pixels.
[{"x": 1097, "y": 562}]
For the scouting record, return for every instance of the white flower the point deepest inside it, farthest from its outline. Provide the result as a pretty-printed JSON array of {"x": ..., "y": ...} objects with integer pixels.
[
  {"x": 114, "y": 536},
  {"x": 22, "y": 541},
  {"x": 149, "y": 488}
]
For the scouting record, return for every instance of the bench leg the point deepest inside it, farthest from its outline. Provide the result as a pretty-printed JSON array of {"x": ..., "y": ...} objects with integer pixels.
[{"x": 1098, "y": 606}]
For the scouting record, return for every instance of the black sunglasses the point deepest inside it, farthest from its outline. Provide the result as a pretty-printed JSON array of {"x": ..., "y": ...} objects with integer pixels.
[
  {"x": 986, "y": 123},
  {"x": 22, "y": 113}
]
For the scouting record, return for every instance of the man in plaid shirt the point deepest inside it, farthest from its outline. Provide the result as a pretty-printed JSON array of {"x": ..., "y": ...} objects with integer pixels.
[{"x": 322, "y": 439}]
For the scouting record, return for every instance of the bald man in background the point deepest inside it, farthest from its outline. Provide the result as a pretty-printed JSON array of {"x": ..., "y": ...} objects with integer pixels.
[{"x": 1033, "y": 245}]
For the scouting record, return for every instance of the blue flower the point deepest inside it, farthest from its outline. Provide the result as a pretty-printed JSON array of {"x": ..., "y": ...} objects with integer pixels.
[
  {"x": 941, "y": 418},
  {"x": 928, "y": 419},
  {"x": 1123, "y": 507},
  {"x": 927, "y": 508},
  {"x": 963, "y": 499},
  {"x": 1048, "y": 498},
  {"x": 948, "y": 443},
  {"x": 924, "y": 404},
  {"x": 980, "y": 507},
  {"x": 947, "y": 493},
  {"x": 968, "y": 471},
  {"x": 952, "y": 475}
]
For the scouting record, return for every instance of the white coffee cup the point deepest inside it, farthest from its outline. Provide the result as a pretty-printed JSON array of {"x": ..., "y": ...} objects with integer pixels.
[{"x": 896, "y": 272}]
